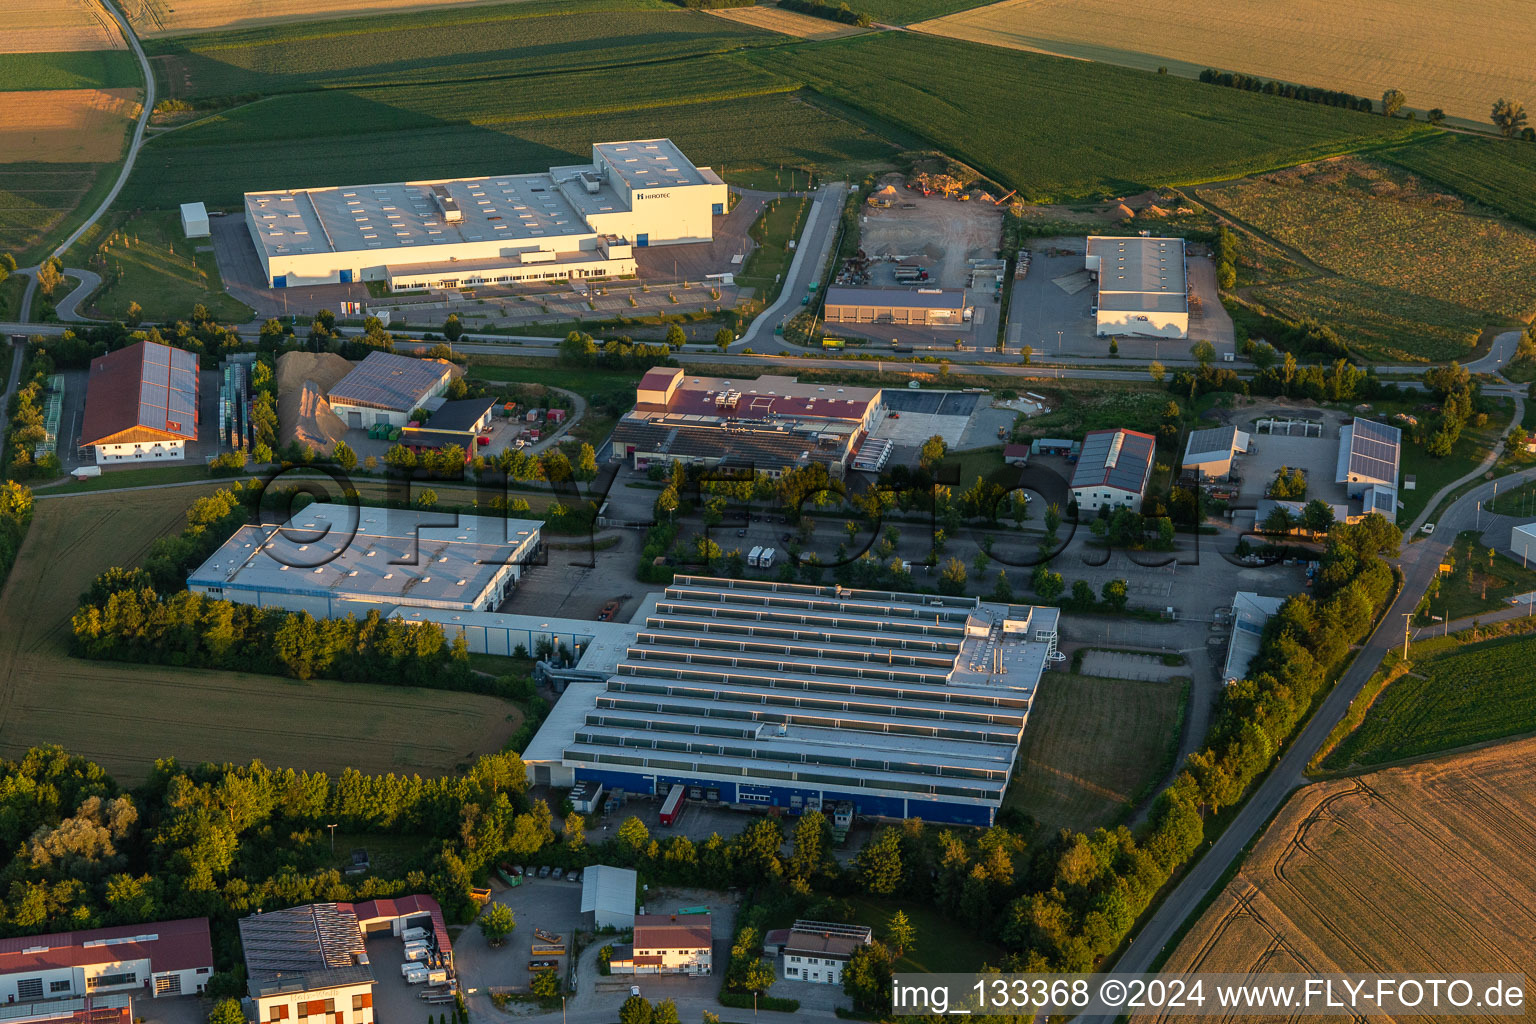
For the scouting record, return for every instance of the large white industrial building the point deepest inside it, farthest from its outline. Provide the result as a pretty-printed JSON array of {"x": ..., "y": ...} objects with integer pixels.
[
  {"x": 575, "y": 221},
  {"x": 794, "y": 696},
  {"x": 1143, "y": 286},
  {"x": 1369, "y": 456},
  {"x": 330, "y": 560}
]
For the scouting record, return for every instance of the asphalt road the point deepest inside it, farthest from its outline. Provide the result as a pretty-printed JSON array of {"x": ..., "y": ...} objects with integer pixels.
[{"x": 1420, "y": 562}]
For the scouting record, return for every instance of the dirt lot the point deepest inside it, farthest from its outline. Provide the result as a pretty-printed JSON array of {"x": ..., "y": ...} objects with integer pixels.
[
  {"x": 944, "y": 232},
  {"x": 124, "y": 716},
  {"x": 1427, "y": 867},
  {"x": 790, "y": 23},
  {"x": 49, "y": 26},
  {"x": 67, "y": 125}
]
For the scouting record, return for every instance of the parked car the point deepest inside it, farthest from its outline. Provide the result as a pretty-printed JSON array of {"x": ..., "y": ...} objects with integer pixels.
[
  {"x": 559, "y": 873},
  {"x": 634, "y": 990},
  {"x": 543, "y": 965},
  {"x": 741, "y": 533},
  {"x": 544, "y": 871},
  {"x": 574, "y": 876}
]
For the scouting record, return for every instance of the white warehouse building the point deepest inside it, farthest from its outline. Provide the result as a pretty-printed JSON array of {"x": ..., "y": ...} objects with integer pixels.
[
  {"x": 332, "y": 560},
  {"x": 576, "y": 221},
  {"x": 1143, "y": 286}
]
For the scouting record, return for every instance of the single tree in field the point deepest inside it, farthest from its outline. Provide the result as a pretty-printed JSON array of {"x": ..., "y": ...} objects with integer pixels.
[
  {"x": 899, "y": 933},
  {"x": 496, "y": 923},
  {"x": 1027, "y": 352},
  {"x": 1436, "y": 115},
  {"x": 1392, "y": 101},
  {"x": 135, "y": 315},
  {"x": 1508, "y": 117},
  {"x": 345, "y": 457},
  {"x": 675, "y": 337},
  {"x": 723, "y": 338}
]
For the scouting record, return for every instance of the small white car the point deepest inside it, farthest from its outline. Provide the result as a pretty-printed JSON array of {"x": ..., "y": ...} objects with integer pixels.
[
  {"x": 634, "y": 990},
  {"x": 1428, "y": 528}
]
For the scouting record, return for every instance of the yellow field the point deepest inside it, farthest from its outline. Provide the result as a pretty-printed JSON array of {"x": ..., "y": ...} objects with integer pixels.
[
  {"x": 66, "y": 125},
  {"x": 124, "y": 716},
  {"x": 790, "y": 23},
  {"x": 1457, "y": 56},
  {"x": 1424, "y": 868},
  {"x": 169, "y": 17},
  {"x": 49, "y": 26}
]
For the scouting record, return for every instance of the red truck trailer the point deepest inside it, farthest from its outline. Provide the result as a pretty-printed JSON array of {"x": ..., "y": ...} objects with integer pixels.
[{"x": 672, "y": 806}]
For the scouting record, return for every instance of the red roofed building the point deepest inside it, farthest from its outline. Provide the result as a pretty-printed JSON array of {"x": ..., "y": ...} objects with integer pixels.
[
  {"x": 140, "y": 404},
  {"x": 162, "y": 958},
  {"x": 667, "y": 944},
  {"x": 769, "y": 423}
]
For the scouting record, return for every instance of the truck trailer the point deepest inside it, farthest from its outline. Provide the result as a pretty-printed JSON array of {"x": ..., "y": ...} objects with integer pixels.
[{"x": 673, "y": 805}]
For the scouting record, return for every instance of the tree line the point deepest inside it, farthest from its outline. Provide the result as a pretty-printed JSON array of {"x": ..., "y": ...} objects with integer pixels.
[
  {"x": 1305, "y": 93},
  {"x": 15, "y": 517},
  {"x": 820, "y": 9}
]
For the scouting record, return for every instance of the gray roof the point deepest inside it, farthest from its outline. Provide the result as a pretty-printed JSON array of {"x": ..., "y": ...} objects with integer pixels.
[
  {"x": 460, "y": 415},
  {"x": 609, "y": 889},
  {"x": 385, "y": 380},
  {"x": 1250, "y": 612},
  {"x": 751, "y": 681},
  {"x": 1115, "y": 458},
  {"x": 1214, "y": 444},
  {"x": 901, "y": 298},
  {"x": 367, "y": 554},
  {"x": 303, "y": 948},
  {"x": 1141, "y": 273},
  {"x": 650, "y": 163},
  {"x": 1370, "y": 451}
]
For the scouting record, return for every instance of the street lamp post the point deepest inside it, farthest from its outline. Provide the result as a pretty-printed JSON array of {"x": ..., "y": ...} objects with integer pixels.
[
  {"x": 1058, "y": 341},
  {"x": 333, "y": 837}
]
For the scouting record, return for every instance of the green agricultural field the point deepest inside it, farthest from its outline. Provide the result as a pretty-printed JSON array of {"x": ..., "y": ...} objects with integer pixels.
[
  {"x": 1500, "y": 175},
  {"x": 82, "y": 69},
  {"x": 1453, "y": 695},
  {"x": 1057, "y": 128},
  {"x": 36, "y": 200},
  {"x": 517, "y": 39},
  {"x": 721, "y": 112},
  {"x": 1416, "y": 274},
  {"x": 909, "y": 12},
  {"x": 150, "y": 262},
  {"x": 1092, "y": 746}
]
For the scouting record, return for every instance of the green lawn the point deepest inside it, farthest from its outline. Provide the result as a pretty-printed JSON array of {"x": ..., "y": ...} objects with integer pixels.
[
  {"x": 1092, "y": 747},
  {"x": 543, "y": 371},
  {"x": 481, "y": 42},
  {"x": 82, "y": 69},
  {"x": 1433, "y": 473},
  {"x": 1057, "y": 128},
  {"x": 1475, "y": 585},
  {"x": 1453, "y": 695},
  {"x": 184, "y": 473},
  {"x": 11, "y": 290},
  {"x": 780, "y": 222},
  {"x": 1105, "y": 406},
  {"x": 942, "y": 946},
  {"x": 150, "y": 262},
  {"x": 982, "y": 462}
]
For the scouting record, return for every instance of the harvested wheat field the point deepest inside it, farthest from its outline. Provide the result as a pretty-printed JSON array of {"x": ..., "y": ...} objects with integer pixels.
[
  {"x": 1457, "y": 56},
  {"x": 789, "y": 23},
  {"x": 56, "y": 26},
  {"x": 1424, "y": 868},
  {"x": 125, "y": 716},
  {"x": 66, "y": 125},
  {"x": 170, "y": 17}
]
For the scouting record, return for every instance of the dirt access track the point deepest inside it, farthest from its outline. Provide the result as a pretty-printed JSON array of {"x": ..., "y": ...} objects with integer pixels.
[
  {"x": 1426, "y": 867},
  {"x": 943, "y": 232}
]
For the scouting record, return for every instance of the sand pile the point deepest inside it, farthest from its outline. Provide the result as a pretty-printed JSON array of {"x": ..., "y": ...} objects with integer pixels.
[{"x": 303, "y": 414}]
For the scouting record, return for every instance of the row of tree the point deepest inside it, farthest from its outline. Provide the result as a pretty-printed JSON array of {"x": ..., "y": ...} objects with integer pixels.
[
  {"x": 821, "y": 9},
  {"x": 27, "y": 426},
  {"x": 1305, "y": 93},
  {"x": 15, "y": 517}
]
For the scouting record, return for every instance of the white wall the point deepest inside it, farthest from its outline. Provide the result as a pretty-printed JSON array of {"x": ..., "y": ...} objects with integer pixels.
[
  {"x": 143, "y": 451},
  {"x": 1092, "y": 498},
  {"x": 1147, "y": 324},
  {"x": 825, "y": 970},
  {"x": 345, "y": 999}
]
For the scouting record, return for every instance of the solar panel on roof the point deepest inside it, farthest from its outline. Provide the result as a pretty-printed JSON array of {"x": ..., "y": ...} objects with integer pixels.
[{"x": 156, "y": 354}]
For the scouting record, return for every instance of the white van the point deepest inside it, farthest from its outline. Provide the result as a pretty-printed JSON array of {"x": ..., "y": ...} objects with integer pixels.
[
  {"x": 415, "y": 953},
  {"x": 413, "y": 934},
  {"x": 414, "y": 974}
]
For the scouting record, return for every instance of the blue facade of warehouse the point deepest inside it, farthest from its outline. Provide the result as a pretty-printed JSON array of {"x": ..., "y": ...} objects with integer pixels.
[{"x": 794, "y": 798}]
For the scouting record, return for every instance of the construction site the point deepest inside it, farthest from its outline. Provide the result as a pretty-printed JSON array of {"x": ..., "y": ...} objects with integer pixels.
[{"x": 907, "y": 238}]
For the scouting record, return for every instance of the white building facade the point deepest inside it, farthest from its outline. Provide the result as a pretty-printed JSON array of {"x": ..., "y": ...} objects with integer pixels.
[
  {"x": 1143, "y": 286},
  {"x": 157, "y": 959}
]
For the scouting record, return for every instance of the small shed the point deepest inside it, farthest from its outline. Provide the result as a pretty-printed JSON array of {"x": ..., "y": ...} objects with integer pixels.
[
  {"x": 194, "y": 220},
  {"x": 608, "y": 894},
  {"x": 1016, "y": 454}
]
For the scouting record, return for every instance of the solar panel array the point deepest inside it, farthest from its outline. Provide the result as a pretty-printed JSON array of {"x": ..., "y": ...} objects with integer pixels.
[
  {"x": 1374, "y": 449},
  {"x": 168, "y": 390},
  {"x": 387, "y": 381}
]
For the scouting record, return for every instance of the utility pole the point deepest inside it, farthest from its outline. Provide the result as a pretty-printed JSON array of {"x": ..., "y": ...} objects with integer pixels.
[{"x": 1407, "y": 621}]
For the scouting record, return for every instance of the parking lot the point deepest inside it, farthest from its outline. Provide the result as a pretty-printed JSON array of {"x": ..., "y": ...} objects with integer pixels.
[
  {"x": 1316, "y": 456},
  {"x": 394, "y": 999},
  {"x": 574, "y": 581}
]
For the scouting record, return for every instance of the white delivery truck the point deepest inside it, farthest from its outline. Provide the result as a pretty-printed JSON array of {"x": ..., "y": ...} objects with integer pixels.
[
  {"x": 754, "y": 555},
  {"x": 414, "y": 974},
  {"x": 417, "y": 953},
  {"x": 765, "y": 560},
  {"x": 414, "y": 934}
]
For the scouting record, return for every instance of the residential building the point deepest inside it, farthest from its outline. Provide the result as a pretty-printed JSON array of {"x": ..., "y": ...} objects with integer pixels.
[
  {"x": 1208, "y": 454},
  {"x": 141, "y": 404},
  {"x": 917, "y": 307},
  {"x": 667, "y": 944},
  {"x": 1143, "y": 286},
  {"x": 576, "y": 221},
  {"x": 765, "y": 694},
  {"x": 1369, "y": 457},
  {"x": 608, "y": 894},
  {"x": 334, "y": 560},
  {"x": 817, "y": 951},
  {"x": 387, "y": 388},
  {"x": 1113, "y": 470},
  {"x": 1250, "y": 612},
  {"x": 307, "y": 965},
  {"x": 770, "y": 424},
  {"x": 68, "y": 973}
]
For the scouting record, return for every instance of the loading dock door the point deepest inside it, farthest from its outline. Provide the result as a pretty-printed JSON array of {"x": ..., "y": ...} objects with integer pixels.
[
  {"x": 642, "y": 240},
  {"x": 280, "y": 281},
  {"x": 354, "y": 419},
  {"x": 346, "y": 277}
]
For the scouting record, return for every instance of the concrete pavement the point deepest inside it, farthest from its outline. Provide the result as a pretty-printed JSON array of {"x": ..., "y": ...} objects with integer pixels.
[{"x": 815, "y": 242}]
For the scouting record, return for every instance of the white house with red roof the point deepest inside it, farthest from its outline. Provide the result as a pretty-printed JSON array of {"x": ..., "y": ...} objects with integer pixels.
[
  {"x": 667, "y": 944},
  {"x": 165, "y": 958},
  {"x": 1113, "y": 470}
]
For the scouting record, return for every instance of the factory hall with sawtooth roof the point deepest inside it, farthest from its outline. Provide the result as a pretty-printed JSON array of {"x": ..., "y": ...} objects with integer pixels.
[{"x": 755, "y": 693}]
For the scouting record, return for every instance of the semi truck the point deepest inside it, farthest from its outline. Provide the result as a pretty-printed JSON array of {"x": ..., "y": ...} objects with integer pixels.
[{"x": 673, "y": 805}]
